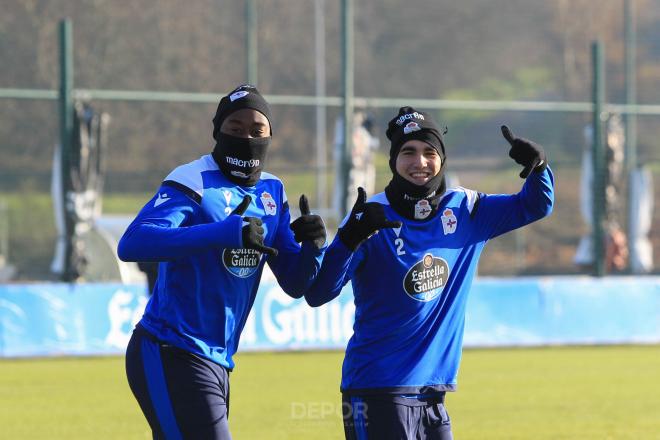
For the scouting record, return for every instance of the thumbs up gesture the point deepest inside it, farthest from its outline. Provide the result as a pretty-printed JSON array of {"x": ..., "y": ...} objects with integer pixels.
[
  {"x": 308, "y": 227},
  {"x": 364, "y": 221},
  {"x": 525, "y": 152},
  {"x": 253, "y": 231}
]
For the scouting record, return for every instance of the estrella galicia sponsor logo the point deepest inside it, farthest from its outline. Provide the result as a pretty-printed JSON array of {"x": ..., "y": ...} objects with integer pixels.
[
  {"x": 426, "y": 279},
  {"x": 241, "y": 262}
]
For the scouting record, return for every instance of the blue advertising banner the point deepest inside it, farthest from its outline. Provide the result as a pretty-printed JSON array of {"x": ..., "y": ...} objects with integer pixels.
[
  {"x": 89, "y": 319},
  {"x": 68, "y": 319},
  {"x": 563, "y": 310}
]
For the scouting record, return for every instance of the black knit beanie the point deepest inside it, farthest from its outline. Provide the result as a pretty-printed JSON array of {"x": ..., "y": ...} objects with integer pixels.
[
  {"x": 416, "y": 202},
  {"x": 244, "y": 96},
  {"x": 412, "y": 124}
]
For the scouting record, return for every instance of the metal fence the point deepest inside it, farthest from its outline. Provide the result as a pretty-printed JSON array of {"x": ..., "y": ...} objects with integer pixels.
[{"x": 347, "y": 103}]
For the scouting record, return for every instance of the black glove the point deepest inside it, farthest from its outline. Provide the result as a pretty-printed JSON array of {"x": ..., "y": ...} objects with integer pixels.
[
  {"x": 253, "y": 231},
  {"x": 365, "y": 220},
  {"x": 308, "y": 227},
  {"x": 525, "y": 152}
]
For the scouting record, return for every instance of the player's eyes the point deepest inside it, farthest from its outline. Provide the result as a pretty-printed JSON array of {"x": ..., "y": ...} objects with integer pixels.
[{"x": 234, "y": 128}]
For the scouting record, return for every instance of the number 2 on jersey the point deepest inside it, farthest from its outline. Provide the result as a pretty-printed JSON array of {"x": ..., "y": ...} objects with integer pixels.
[{"x": 399, "y": 246}]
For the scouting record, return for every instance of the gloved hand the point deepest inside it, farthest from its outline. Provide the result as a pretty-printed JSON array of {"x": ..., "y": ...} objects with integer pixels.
[
  {"x": 308, "y": 227},
  {"x": 253, "y": 231},
  {"x": 525, "y": 152},
  {"x": 365, "y": 220}
]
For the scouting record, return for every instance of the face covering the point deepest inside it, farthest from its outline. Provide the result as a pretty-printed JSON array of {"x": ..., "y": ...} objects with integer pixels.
[
  {"x": 241, "y": 159},
  {"x": 416, "y": 202}
]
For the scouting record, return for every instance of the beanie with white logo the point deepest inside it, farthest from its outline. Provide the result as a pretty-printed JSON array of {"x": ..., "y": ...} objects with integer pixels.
[
  {"x": 411, "y": 124},
  {"x": 244, "y": 96},
  {"x": 416, "y": 202}
]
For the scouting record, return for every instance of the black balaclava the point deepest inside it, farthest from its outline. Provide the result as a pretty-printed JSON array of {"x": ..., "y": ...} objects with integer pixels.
[
  {"x": 240, "y": 159},
  {"x": 417, "y": 202}
]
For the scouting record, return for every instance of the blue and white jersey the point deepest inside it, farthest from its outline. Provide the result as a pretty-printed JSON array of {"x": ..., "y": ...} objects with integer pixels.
[
  {"x": 411, "y": 286},
  {"x": 206, "y": 281}
]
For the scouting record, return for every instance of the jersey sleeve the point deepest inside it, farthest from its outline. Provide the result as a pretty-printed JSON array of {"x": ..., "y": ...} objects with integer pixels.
[
  {"x": 295, "y": 266},
  {"x": 339, "y": 266},
  {"x": 496, "y": 214},
  {"x": 165, "y": 230}
]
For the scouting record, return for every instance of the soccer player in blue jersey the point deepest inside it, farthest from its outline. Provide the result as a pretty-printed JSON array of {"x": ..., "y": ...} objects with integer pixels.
[
  {"x": 412, "y": 278},
  {"x": 212, "y": 226}
]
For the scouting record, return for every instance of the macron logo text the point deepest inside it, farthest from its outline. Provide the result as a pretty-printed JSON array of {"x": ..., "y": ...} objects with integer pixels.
[
  {"x": 242, "y": 163},
  {"x": 407, "y": 116}
]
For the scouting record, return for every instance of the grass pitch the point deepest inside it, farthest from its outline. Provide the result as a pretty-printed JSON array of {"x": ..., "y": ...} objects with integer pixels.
[{"x": 545, "y": 393}]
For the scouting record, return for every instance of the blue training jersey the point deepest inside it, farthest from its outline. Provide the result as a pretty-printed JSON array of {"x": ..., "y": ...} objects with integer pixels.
[
  {"x": 411, "y": 286},
  {"x": 207, "y": 281}
]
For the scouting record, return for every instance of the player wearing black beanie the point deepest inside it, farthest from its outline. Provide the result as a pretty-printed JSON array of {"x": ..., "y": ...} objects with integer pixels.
[
  {"x": 211, "y": 227},
  {"x": 411, "y": 254},
  {"x": 417, "y": 202},
  {"x": 241, "y": 159}
]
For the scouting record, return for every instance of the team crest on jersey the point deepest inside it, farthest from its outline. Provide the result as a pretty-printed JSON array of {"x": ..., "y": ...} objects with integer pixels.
[
  {"x": 449, "y": 221},
  {"x": 426, "y": 279},
  {"x": 270, "y": 207},
  {"x": 241, "y": 262},
  {"x": 411, "y": 127},
  {"x": 422, "y": 209}
]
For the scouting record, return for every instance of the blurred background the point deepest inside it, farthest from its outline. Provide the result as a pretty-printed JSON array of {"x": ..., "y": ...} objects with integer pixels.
[{"x": 494, "y": 50}]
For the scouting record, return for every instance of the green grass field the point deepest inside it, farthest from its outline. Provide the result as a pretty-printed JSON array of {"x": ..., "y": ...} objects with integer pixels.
[{"x": 545, "y": 393}]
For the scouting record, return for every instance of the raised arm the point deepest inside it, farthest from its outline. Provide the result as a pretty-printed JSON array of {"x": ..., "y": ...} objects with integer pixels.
[
  {"x": 296, "y": 266},
  {"x": 501, "y": 213},
  {"x": 344, "y": 254},
  {"x": 339, "y": 264},
  {"x": 163, "y": 230}
]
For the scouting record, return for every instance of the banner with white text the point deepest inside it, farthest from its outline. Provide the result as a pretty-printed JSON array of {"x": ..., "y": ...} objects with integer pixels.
[{"x": 93, "y": 319}]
